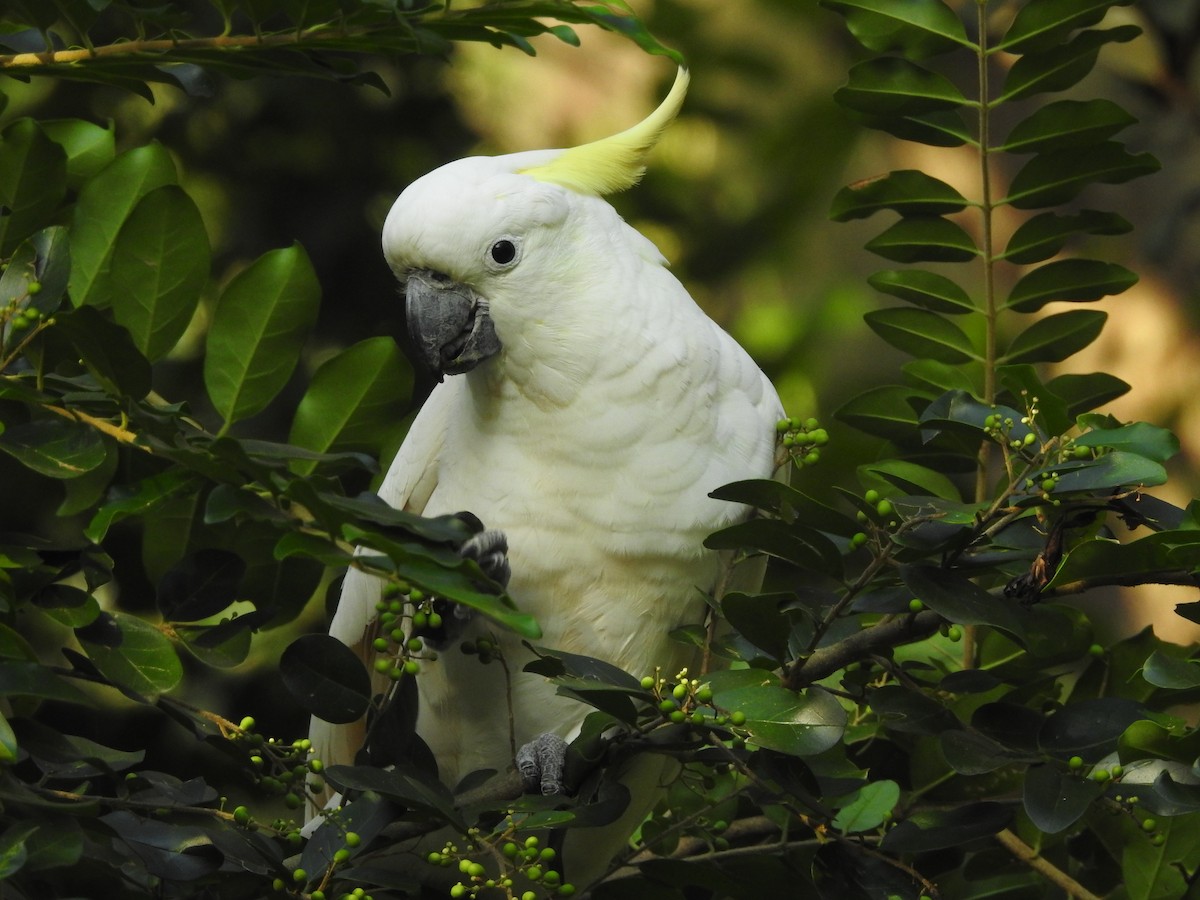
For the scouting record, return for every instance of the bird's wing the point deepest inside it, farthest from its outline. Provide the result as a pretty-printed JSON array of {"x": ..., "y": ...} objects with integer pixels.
[{"x": 410, "y": 480}]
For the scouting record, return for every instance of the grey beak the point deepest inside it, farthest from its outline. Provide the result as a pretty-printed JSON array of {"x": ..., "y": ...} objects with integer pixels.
[{"x": 450, "y": 326}]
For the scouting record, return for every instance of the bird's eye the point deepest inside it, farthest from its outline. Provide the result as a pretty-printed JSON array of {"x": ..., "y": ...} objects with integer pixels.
[{"x": 503, "y": 252}]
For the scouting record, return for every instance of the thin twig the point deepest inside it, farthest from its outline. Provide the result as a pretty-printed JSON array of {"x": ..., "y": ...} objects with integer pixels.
[{"x": 1039, "y": 864}]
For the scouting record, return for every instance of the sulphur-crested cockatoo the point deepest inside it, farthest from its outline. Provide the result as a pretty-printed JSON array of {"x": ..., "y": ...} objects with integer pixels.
[{"x": 589, "y": 408}]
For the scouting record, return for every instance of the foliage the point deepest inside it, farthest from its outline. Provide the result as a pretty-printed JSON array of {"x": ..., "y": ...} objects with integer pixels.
[{"x": 908, "y": 708}]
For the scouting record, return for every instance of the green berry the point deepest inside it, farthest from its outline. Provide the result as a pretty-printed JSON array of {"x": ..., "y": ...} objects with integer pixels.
[
  {"x": 1149, "y": 824},
  {"x": 341, "y": 856},
  {"x": 1101, "y": 775},
  {"x": 435, "y": 620},
  {"x": 783, "y": 425},
  {"x": 871, "y": 496},
  {"x": 383, "y": 664},
  {"x": 812, "y": 457},
  {"x": 810, "y": 423},
  {"x": 509, "y": 849},
  {"x": 292, "y": 801},
  {"x": 954, "y": 633},
  {"x": 316, "y": 766},
  {"x": 534, "y": 873},
  {"x": 381, "y": 644},
  {"x": 858, "y": 539},
  {"x": 884, "y": 507},
  {"x": 458, "y": 890},
  {"x": 415, "y": 645},
  {"x": 915, "y": 605},
  {"x": 241, "y": 815},
  {"x": 529, "y": 895},
  {"x": 667, "y": 706},
  {"x": 247, "y": 724},
  {"x": 317, "y": 895},
  {"x": 704, "y": 694},
  {"x": 1075, "y": 763},
  {"x": 352, "y": 839},
  {"x": 648, "y": 683},
  {"x": 277, "y": 884},
  {"x": 1096, "y": 650},
  {"x": 1048, "y": 484},
  {"x": 547, "y": 854},
  {"x": 434, "y": 857},
  {"x": 475, "y": 870},
  {"x": 411, "y": 667},
  {"x": 678, "y": 717},
  {"x": 299, "y": 876},
  {"x": 679, "y": 691},
  {"x": 34, "y": 287},
  {"x": 737, "y": 718}
]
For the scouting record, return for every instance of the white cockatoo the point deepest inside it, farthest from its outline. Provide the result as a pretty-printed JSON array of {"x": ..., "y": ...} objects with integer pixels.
[{"x": 589, "y": 408}]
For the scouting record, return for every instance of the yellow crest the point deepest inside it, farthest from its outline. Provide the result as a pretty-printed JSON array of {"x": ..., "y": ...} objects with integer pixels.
[{"x": 614, "y": 163}]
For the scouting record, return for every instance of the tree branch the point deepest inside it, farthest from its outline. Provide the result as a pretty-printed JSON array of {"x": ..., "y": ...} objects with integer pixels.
[
  {"x": 1047, "y": 870},
  {"x": 889, "y": 633}
]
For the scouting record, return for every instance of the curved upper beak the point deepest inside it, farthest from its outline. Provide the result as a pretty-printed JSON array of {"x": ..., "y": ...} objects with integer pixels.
[{"x": 450, "y": 325}]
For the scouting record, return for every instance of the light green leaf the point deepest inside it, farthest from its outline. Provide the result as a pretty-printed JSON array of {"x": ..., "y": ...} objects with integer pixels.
[
  {"x": 889, "y": 86},
  {"x": 1074, "y": 280},
  {"x": 13, "y": 852},
  {"x": 922, "y": 333},
  {"x": 1056, "y": 337},
  {"x": 1046, "y": 233},
  {"x": 33, "y": 181},
  {"x": 103, "y": 205},
  {"x": 924, "y": 239},
  {"x": 1058, "y": 176},
  {"x": 1060, "y": 67},
  {"x": 799, "y": 724},
  {"x": 355, "y": 401},
  {"x": 8, "y": 742},
  {"x": 907, "y": 191},
  {"x": 871, "y": 807},
  {"x": 259, "y": 327},
  {"x": 89, "y": 147},
  {"x": 160, "y": 263},
  {"x": 132, "y": 653},
  {"x": 910, "y": 478},
  {"x": 1171, "y": 672},
  {"x": 1044, "y": 24},
  {"x": 917, "y": 29},
  {"x": 925, "y": 289},
  {"x": 1067, "y": 123}
]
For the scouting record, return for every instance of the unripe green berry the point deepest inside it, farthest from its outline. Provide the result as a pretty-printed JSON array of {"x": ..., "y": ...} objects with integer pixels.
[
  {"x": 352, "y": 839},
  {"x": 871, "y": 496},
  {"x": 667, "y": 706},
  {"x": 317, "y": 895},
  {"x": 819, "y": 436},
  {"x": 383, "y": 664},
  {"x": 1075, "y": 763},
  {"x": 475, "y": 870},
  {"x": 435, "y": 620},
  {"x": 292, "y": 801},
  {"x": 648, "y": 683},
  {"x": 812, "y": 457},
  {"x": 277, "y": 884},
  {"x": 380, "y": 644},
  {"x": 34, "y": 287},
  {"x": 884, "y": 507},
  {"x": 678, "y": 717},
  {"x": 415, "y": 645},
  {"x": 241, "y": 815},
  {"x": 1048, "y": 484},
  {"x": 679, "y": 691},
  {"x": 1149, "y": 824},
  {"x": 411, "y": 667},
  {"x": 737, "y": 718},
  {"x": 1100, "y": 775},
  {"x": 858, "y": 539},
  {"x": 316, "y": 766},
  {"x": 458, "y": 890},
  {"x": 915, "y": 605},
  {"x": 1096, "y": 650},
  {"x": 783, "y": 425},
  {"x": 534, "y": 873},
  {"x": 341, "y": 856},
  {"x": 509, "y": 849},
  {"x": 704, "y": 694},
  {"x": 299, "y": 875},
  {"x": 954, "y": 633},
  {"x": 247, "y": 724}
]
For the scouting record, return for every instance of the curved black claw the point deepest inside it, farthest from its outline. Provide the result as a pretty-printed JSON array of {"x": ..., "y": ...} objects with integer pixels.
[
  {"x": 489, "y": 548},
  {"x": 541, "y": 763}
]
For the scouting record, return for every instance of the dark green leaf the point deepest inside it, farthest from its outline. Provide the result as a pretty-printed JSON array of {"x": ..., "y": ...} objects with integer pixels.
[
  {"x": 1055, "y": 800},
  {"x": 159, "y": 265},
  {"x": 917, "y": 29},
  {"x": 410, "y": 790},
  {"x": 924, "y": 239},
  {"x": 224, "y": 645},
  {"x": 922, "y": 333},
  {"x": 107, "y": 350},
  {"x": 926, "y": 289},
  {"x": 1056, "y": 337},
  {"x": 1044, "y": 24},
  {"x": 885, "y": 411},
  {"x": 1088, "y": 728},
  {"x": 200, "y": 585},
  {"x": 258, "y": 329},
  {"x": 760, "y": 619},
  {"x": 138, "y": 499},
  {"x": 1076, "y": 280},
  {"x": 1111, "y": 471},
  {"x": 909, "y": 711},
  {"x": 959, "y": 600},
  {"x": 936, "y": 829},
  {"x": 908, "y": 191},
  {"x": 1067, "y": 123},
  {"x": 1083, "y": 393},
  {"x": 894, "y": 87},
  {"x": 13, "y": 852},
  {"x": 105, "y": 201},
  {"x": 33, "y": 181},
  {"x": 909, "y": 477},
  {"x": 23, "y": 678},
  {"x": 68, "y": 605},
  {"x": 793, "y": 542},
  {"x": 132, "y": 653},
  {"x": 1171, "y": 672},
  {"x": 1056, "y": 177},
  {"x": 939, "y": 376},
  {"x": 1062, "y": 66},
  {"x": 1045, "y": 234},
  {"x": 172, "y": 852},
  {"x": 326, "y": 678},
  {"x": 798, "y": 724},
  {"x": 1151, "y": 441},
  {"x": 972, "y": 753},
  {"x": 940, "y": 128},
  {"x": 57, "y": 447},
  {"x": 354, "y": 402}
]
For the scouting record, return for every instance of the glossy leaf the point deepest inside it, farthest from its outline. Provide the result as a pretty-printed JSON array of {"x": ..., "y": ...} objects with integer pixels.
[
  {"x": 159, "y": 265},
  {"x": 896, "y": 87},
  {"x": 939, "y": 128},
  {"x": 1171, "y": 672},
  {"x": 1044, "y": 24},
  {"x": 326, "y": 678},
  {"x": 355, "y": 401},
  {"x": 132, "y": 653},
  {"x": 1083, "y": 393},
  {"x": 1088, "y": 728},
  {"x": 1047, "y": 233},
  {"x": 973, "y": 753},
  {"x": 105, "y": 201},
  {"x": 924, "y": 239},
  {"x": 1056, "y": 337},
  {"x": 406, "y": 788},
  {"x": 884, "y": 411},
  {"x": 907, "y": 191},
  {"x": 1067, "y": 123},
  {"x": 917, "y": 29},
  {"x": 871, "y": 807},
  {"x": 200, "y": 585},
  {"x": 911, "y": 478},
  {"x": 960, "y": 600},
  {"x": 33, "y": 181},
  {"x": 1056, "y": 177},
  {"x": 1151, "y": 441},
  {"x": 922, "y": 333},
  {"x": 925, "y": 289},
  {"x": 57, "y": 447},
  {"x": 258, "y": 328},
  {"x": 1055, "y": 800},
  {"x": 1112, "y": 470},
  {"x": 1074, "y": 280},
  {"x": 793, "y": 542},
  {"x": 89, "y": 147},
  {"x": 798, "y": 724},
  {"x": 1061, "y": 67}
]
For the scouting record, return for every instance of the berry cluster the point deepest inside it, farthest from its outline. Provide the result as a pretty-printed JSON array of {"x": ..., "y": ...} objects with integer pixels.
[
  {"x": 1128, "y": 804},
  {"x": 688, "y": 700},
  {"x": 802, "y": 440},
  {"x": 281, "y": 769},
  {"x": 399, "y": 645},
  {"x": 524, "y": 865}
]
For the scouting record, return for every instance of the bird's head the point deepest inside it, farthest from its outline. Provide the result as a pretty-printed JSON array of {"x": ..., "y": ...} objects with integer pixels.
[{"x": 486, "y": 246}]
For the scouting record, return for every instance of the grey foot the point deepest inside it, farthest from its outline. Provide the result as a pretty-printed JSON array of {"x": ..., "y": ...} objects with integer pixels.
[
  {"x": 541, "y": 763},
  {"x": 489, "y": 548}
]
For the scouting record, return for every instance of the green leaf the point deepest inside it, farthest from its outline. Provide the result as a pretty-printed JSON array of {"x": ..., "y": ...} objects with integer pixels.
[
  {"x": 200, "y": 585},
  {"x": 22, "y": 678},
  {"x": 1142, "y": 438},
  {"x": 8, "y": 742},
  {"x": 132, "y": 653},
  {"x": 760, "y": 619},
  {"x": 355, "y": 401},
  {"x": 1074, "y": 280},
  {"x": 960, "y": 600},
  {"x": 1056, "y": 337},
  {"x": 1088, "y": 728},
  {"x": 885, "y": 411},
  {"x": 12, "y": 847},
  {"x": 105, "y": 201},
  {"x": 89, "y": 147},
  {"x": 33, "y": 181},
  {"x": 1043, "y": 25},
  {"x": 1171, "y": 672},
  {"x": 1055, "y": 800},
  {"x": 939, "y": 376},
  {"x": 894, "y": 87},
  {"x": 258, "y": 329},
  {"x": 160, "y": 263},
  {"x": 326, "y": 678},
  {"x": 1046, "y": 233},
  {"x": 1108, "y": 472},
  {"x": 57, "y": 447},
  {"x": 907, "y": 191},
  {"x": 107, "y": 350},
  {"x": 799, "y": 724},
  {"x": 411, "y": 791},
  {"x": 871, "y": 807},
  {"x": 922, "y": 333},
  {"x": 1067, "y": 123},
  {"x": 793, "y": 542},
  {"x": 924, "y": 239},
  {"x": 223, "y": 646},
  {"x": 1083, "y": 393},
  {"x": 936, "y": 829},
  {"x": 67, "y": 605},
  {"x": 925, "y": 289},
  {"x": 917, "y": 29},
  {"x": 1062, "y": 66},
  {"x": 1053, "y": 178},
  {"x": 138, "y": 499},
  {"x": 910, "y": 478},
  {"x": 940, "y": 128}
]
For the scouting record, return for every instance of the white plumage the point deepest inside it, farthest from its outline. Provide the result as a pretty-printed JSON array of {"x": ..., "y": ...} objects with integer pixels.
[{"x": 591, "y": 439}]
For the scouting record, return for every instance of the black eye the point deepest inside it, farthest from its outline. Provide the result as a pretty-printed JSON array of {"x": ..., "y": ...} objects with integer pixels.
[{"x": 503, "y": 252}]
